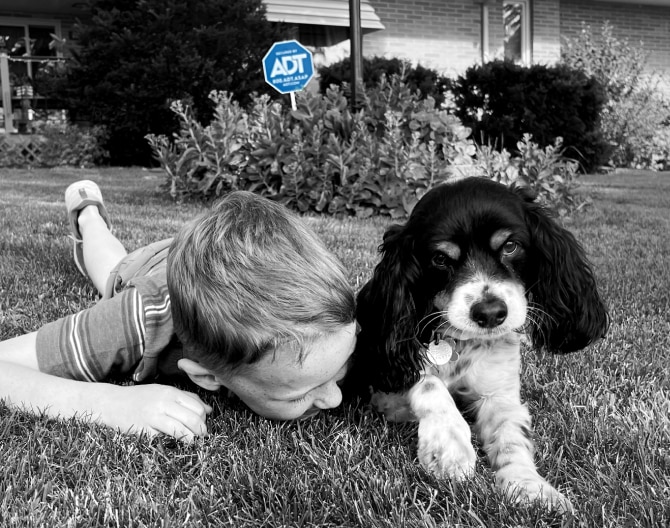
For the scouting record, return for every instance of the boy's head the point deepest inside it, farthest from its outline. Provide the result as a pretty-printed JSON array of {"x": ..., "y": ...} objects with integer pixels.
[{"x": 254, "y": 290}]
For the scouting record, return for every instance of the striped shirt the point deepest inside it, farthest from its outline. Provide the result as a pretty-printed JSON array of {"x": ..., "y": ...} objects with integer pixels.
[{"x": 130, "y": 333}]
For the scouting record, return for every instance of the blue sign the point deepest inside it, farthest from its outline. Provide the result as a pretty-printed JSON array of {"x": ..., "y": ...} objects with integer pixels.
[{"x": 288, "y": 66}]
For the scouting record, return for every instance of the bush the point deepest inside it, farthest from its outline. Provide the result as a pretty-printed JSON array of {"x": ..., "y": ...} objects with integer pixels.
[
  {"x": 133, "y": 58},
  {"x": 635, "y": 117},
  {"x": 73, "y": 146},
  {"x": 417, "y": 78},
  {"x": 321, "y": 157},
  {"x": 56, "y": 146},
  {"x": 325, "y": 158},
  {"x": 501, "y": 101}
]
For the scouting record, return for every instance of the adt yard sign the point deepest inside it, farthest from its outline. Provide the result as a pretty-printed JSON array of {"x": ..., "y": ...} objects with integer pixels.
[{"x": 288, "y": 66}]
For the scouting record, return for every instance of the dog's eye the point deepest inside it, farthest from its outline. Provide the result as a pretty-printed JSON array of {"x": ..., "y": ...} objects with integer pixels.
[
  {"x": 510, "y": 248},
  {"x": 440, "y": 260}
]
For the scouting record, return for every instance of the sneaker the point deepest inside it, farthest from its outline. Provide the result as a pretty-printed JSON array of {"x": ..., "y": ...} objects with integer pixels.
[{"x": 77, "y": 196}]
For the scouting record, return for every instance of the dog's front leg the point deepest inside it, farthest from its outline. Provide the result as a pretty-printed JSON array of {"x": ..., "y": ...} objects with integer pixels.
[
  {"x": 445, "y": 441},
  {"x": 504, "y": 428}
]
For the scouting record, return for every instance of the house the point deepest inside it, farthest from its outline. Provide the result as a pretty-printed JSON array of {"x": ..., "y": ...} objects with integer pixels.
[
  {"x": 450, "y": 35},
  {"x": 447, "y": 35}
]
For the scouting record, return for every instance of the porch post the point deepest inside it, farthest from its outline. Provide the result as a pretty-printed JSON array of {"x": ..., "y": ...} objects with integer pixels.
[
  {"x": 356, "y": 41},
  {"x": 6, "y": 93}
]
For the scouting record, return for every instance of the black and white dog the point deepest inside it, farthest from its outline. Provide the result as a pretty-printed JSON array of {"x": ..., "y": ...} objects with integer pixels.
[{"x": 476, "y": 266}]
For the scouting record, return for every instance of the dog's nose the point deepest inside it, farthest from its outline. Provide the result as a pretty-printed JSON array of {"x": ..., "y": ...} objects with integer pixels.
[{"x": 489, "y": 313}]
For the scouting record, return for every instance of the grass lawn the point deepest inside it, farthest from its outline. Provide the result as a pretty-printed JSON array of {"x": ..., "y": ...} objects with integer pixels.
[{"x": 602, "y": 417}]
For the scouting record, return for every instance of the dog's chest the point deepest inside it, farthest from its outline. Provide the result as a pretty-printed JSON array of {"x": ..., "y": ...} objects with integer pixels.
[{"x": 473, "y": 363}]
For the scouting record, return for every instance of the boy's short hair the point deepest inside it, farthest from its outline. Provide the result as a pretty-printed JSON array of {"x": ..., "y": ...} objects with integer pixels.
[{"x": 248, "y": 276}]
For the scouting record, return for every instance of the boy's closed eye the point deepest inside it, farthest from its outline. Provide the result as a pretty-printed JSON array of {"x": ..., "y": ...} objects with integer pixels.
[{"x": 337, "y": 379}]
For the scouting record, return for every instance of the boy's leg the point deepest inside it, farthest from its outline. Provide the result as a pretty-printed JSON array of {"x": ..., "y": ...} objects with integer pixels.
[
  {"x": 102, "y": 250},
  {"x": 96, "y": 250}
]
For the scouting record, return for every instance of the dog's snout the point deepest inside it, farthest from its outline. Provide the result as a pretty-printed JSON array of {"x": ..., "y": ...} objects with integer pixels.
[{"x": 489, "y": 313}]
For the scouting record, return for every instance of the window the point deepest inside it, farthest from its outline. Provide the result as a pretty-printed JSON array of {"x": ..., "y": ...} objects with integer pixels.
[
  {"x": 27, "y": 42},
  {"x": 516, "y": 22}
]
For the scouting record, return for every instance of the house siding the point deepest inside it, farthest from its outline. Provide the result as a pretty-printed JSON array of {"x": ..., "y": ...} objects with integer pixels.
[
  {"x": 546, "y": 31},
  {"x": 438, "y": 34},
  {"x": 447, "y": 34}
]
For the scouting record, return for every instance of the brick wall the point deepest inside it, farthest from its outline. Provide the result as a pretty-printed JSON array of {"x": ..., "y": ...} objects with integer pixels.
[
  {"x": 446, "y": 34},
  {"x": 545, "y": 30},
  {"x": 441, "y": 34}
]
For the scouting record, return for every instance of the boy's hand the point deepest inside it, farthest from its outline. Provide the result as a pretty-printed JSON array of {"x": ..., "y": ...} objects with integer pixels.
[
  {"x": 149, "y": 409},
  {"x": 154, "y": 409}
]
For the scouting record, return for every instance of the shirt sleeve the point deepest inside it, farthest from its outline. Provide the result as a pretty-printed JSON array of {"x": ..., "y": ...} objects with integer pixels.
[{"x": 111, "y": 337}]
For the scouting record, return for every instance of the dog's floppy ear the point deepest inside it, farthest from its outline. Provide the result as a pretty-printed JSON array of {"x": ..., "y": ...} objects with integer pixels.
[
  {"x": 571, "y": 313},
  {"x": 388, "y": 354}
]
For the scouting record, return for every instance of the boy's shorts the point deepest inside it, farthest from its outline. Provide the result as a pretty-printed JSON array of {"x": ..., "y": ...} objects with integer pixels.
[{"x": 136, "y": 264}]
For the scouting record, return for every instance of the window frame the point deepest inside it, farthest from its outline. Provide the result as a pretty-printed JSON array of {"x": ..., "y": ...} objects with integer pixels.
[{"x": 25, "y": 23}]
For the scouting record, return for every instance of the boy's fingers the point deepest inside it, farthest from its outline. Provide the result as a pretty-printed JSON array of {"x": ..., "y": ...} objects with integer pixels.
[
  {"x": 176, "y": 429},
  {"x": 190, "y": 421},
  {"x": 194, "y": 403}
]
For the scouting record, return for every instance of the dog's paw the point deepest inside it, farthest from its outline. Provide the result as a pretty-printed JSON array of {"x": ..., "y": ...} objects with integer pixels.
[
  {"x": 445, "y": 447},
  {"x": 394, "y": 406},
  {"x": 533, "y": 488}
]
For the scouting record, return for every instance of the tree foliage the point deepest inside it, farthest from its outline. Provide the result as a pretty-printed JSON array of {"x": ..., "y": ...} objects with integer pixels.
[{"x": 134, "y": 57}]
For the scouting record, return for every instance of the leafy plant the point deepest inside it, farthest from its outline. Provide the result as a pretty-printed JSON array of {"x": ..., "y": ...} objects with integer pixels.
[
  {"x": 635, "y": 117},
  {"x": 322, "y": 156},
  {"x": 618, "y": 65},
  {"x": 551, "y": 175},
  {"x": 204, "y": 160},
  {"x": 326, "y": 158}
]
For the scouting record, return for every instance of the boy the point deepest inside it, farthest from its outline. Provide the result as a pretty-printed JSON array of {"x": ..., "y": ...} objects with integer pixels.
[{"x": 245, "y": 297}]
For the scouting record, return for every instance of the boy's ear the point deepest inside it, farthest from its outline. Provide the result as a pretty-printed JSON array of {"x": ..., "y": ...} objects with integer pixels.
[{"x": 199, "y": 375}]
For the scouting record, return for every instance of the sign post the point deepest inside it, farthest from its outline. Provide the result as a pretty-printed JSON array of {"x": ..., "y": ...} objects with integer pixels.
[{"x": 288, "y": 67}]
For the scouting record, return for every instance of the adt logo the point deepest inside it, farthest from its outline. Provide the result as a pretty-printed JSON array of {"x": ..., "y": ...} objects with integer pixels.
[{"x": 288, "y": 66}]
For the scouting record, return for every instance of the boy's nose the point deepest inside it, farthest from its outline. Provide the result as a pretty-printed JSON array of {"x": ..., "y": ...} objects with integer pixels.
[{"x": 329, "y": 396}]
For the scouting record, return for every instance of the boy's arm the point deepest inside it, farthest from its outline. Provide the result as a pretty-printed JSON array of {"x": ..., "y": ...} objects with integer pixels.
[
  {"x": 139, "y": 409},
  {"x": 20, "y": 350}
]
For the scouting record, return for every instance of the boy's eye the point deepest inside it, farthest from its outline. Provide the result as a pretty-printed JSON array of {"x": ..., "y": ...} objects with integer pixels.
[{"x": 299, "y": 400}]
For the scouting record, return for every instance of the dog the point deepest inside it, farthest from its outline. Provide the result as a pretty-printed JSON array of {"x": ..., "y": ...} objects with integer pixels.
[{"x": 477, "y": 267}]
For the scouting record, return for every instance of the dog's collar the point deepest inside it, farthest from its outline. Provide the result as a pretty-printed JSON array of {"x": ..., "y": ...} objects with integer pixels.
[{"x": 442, "y": 349}]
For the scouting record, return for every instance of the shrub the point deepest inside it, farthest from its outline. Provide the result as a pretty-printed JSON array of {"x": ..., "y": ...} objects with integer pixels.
[
  {"x": 616, "y": 64},
  {"x": 73, "y": 146},
  {"x": 635, "y": 116},
  {"x": 323, "y": 157},
  {"x": 417, "y": 78},
  {"x": 501, "y": 101},
  {"x": 56, "y": 146},
  {"x": 133, "y": 58},
  {"x": 551, "y": 175}
]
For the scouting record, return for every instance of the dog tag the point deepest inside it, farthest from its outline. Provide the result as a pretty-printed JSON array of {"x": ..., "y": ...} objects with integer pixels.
[{"x": 440, "y": 353}]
